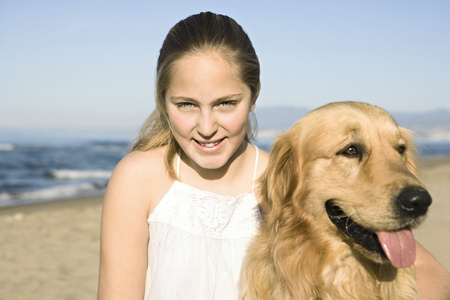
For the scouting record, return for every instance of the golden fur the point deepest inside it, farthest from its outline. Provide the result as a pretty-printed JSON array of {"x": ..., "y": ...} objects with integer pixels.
[{"x": 299, "y": 253}]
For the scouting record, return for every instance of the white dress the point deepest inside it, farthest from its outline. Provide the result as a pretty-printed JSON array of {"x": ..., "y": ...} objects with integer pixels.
[{"x": 197, "y": 242}]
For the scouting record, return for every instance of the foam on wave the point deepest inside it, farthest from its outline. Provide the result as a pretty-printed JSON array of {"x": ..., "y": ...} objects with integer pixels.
[
  {"x": 6, "y": 147},
  {"x": 52, "y": 193},
  {"x": 66, "y": 174}
]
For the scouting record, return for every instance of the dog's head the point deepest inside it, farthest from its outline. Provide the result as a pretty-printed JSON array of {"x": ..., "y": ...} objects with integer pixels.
[{"x": 349, "y": 169}]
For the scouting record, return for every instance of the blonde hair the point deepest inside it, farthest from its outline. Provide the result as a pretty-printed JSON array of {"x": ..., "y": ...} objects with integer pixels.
[{"x": 201, "y": 32}]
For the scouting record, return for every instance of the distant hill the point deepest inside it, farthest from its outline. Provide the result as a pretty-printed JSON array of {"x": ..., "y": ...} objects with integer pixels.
[
  {"x": 278, "y": 118},
  {"x": 428, "y": 124}
]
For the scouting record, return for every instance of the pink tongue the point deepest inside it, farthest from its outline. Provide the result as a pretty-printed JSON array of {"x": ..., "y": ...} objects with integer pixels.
[{"x": 399, "y": 246}]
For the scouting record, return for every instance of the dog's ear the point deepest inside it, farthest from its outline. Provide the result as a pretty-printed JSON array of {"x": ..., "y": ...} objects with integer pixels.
[
  {"x": 411, "y": 152},
  {"x": 281, "y": 176}
]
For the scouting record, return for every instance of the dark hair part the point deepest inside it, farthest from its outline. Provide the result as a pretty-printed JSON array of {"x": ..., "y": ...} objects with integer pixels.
[{"x": 202, "y": 32}]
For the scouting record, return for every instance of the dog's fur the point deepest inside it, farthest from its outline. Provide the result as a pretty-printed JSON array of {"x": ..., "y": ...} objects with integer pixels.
[{"x": 299, "y": 253}]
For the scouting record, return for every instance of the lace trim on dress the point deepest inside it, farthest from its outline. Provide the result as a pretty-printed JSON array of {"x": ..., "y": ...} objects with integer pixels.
[{"x": 206, "y": 214}]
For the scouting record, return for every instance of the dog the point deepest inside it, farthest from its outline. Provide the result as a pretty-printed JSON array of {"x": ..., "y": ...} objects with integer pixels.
[{"x": 339, "y": 198}]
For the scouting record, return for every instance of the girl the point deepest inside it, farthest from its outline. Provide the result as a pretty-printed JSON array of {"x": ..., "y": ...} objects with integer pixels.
[{"x": 180, "y": 209}]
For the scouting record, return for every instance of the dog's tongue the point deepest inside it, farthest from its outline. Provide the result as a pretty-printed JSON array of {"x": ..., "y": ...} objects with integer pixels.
[{"x": 399, "y": 246}]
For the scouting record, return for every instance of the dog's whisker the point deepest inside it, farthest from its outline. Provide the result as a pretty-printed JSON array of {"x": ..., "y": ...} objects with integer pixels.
[{"x": 349, "y": 222}]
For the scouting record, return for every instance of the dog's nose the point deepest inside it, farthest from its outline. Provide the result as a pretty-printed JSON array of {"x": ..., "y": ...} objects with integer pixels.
[{"x": 414, "y": 201}]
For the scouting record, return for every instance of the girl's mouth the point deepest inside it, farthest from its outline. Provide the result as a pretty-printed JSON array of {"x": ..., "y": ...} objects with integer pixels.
[{"x": 209, "y": 144}]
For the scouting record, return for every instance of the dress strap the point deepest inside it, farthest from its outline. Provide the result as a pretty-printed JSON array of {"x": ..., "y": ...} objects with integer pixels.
[
  {"x": 256, "y": 168},
  {"x": 178, "y": 164}
]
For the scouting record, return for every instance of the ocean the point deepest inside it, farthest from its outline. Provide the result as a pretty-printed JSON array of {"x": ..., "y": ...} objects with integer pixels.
[{"x": 35, "y": 171}]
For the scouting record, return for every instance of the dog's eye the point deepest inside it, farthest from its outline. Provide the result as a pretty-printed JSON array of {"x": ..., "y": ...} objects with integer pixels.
[
  {"x": 351, "y": 151},
  {"x": 401, "y": 149}
]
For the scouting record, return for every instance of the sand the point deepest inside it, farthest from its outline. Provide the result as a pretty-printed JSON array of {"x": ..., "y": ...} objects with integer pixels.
[
  {"x": 51, "y": 250},
  {"x": 434, "y": 233}
]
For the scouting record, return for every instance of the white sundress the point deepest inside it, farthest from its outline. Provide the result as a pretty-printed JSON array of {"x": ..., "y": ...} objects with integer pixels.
[{"x": 197, "y": 242}]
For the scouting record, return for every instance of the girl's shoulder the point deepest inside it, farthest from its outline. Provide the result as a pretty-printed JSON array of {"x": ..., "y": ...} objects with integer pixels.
[
  {"x": 143, "y": 165},
  {"x": 150, "y": 161},
  {"x": 143, "y": 174}
]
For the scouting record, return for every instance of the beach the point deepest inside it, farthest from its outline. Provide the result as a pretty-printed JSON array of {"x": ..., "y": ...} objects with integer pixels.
[{"x": 51, "y": 250}]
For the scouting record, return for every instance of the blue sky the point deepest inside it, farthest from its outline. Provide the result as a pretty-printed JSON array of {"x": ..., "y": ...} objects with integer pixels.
[{"x": 89, "y": 66}]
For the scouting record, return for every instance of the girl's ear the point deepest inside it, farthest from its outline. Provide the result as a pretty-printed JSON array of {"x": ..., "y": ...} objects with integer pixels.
[{"x": 255, "y": 97}]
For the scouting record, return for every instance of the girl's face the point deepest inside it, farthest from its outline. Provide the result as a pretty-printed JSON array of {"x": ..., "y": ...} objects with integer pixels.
[{"x": 208, "y": 107}]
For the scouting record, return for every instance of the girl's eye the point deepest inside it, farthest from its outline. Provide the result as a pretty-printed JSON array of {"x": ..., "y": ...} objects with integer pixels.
[
  {"x": 227, "y": 104},
  {"x": 185, "y": 105}
]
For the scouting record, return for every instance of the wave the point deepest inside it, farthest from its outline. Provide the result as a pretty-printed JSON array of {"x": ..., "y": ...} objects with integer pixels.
[
  {"x": 66, "y": 174},
  {"x": 51, "y": 193},
  {"x": 109, "y": 148},
  {"x": 6, "y": 147}
]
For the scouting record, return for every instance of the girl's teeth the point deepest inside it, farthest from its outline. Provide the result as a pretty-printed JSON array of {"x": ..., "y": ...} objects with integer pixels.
[{"x": 209, "y": 145}]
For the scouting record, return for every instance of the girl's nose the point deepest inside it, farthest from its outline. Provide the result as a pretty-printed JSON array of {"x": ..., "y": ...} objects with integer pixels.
[{"x": 207, "y": 125}]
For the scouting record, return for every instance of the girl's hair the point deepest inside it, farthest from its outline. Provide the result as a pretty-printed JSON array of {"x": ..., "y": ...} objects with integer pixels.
[{"x": 202, "y": 32}]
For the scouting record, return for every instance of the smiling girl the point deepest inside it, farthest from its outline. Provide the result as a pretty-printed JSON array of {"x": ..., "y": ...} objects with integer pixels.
[{"x": 181, "y": 208}]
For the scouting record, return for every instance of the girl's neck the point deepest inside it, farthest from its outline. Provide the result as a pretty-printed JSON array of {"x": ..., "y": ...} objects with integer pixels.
[{"x": 234, "y": 176}]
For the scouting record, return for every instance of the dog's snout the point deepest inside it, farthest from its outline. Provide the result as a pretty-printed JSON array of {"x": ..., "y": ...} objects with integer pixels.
[{"x": 414, "y": 201}]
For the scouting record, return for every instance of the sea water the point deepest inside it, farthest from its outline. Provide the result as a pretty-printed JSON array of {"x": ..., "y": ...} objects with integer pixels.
[{"x": 36, "y": 171}]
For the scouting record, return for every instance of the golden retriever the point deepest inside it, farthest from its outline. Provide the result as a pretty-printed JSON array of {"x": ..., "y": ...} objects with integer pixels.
[{"x": 339, "y": 199}]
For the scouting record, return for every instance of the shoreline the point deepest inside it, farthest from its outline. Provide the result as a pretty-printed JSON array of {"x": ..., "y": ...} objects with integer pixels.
[
  {"x": 52, "y": 204},
  {"x": 432, "y": 161},
  {"x": 50, "y": 250}
]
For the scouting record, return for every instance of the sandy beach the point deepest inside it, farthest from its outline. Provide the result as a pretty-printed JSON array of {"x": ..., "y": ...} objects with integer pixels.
[{"x": 51, "y": 250}]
